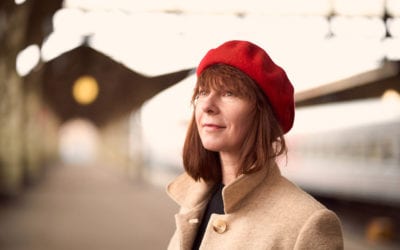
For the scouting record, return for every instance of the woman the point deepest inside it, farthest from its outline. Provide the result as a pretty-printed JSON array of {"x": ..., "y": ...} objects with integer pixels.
[{"x": 232, "y": 195}]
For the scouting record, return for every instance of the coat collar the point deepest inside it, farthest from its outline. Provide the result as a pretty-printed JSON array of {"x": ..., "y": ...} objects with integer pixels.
[
  {"x": 190, "y": 194},
  {"x": 187, "y": 192}
]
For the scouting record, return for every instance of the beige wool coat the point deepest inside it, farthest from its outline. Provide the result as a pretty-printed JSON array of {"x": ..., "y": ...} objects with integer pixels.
[{"x": 263, "y": 210}]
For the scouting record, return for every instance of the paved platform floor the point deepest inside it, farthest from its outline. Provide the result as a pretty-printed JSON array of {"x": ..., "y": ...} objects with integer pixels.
[{"x": 87, "y": 207}]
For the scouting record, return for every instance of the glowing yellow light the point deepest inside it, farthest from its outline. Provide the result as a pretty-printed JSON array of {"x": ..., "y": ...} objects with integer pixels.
[
  {"x": 391, "y": 95},
  {"x": 85, "y": 90}
]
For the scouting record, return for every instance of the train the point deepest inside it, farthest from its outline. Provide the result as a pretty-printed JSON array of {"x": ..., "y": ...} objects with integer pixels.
[{"x": 349, "y": 150}]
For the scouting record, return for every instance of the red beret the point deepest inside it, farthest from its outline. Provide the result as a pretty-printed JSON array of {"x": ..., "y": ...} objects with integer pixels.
[{"x": 255, "y": 62}]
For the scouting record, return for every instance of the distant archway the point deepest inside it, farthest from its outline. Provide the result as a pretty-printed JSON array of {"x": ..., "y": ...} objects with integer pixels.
[{"x": 78, "y": 142}]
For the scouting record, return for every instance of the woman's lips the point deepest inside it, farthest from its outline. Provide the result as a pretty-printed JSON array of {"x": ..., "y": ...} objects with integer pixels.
[{"x": 212, "y": 126}]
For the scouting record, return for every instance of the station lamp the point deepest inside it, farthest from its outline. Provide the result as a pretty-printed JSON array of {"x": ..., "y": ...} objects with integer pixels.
[{"x": 85, "y": 90}]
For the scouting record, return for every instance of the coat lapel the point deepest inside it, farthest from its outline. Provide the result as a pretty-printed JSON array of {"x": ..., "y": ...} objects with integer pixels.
[
  {"x": 186, "y": 227},
  {"x": 192, "y": 197}
]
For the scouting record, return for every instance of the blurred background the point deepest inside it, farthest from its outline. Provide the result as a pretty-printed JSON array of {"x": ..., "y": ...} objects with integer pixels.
[{"x": 95, "y": 101}]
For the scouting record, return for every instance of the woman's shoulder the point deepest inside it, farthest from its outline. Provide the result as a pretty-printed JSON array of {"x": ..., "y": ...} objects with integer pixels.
[
  {"x": 296, "y": 196},
  {"x": 285, "y": 198},
  {"x": 278, "y": 194},
  {"x": 283, "y": 201}
]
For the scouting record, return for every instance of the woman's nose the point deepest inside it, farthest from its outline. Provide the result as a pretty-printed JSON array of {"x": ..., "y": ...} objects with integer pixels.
[{"x": 209, "y": 104}]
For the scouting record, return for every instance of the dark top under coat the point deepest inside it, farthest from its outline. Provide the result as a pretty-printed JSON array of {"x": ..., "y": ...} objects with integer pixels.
[{"x": 214, "y": 206}]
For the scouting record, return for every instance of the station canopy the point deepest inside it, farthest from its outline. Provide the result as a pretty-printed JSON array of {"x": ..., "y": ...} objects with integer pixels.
[{"x": 316, "y": 41}]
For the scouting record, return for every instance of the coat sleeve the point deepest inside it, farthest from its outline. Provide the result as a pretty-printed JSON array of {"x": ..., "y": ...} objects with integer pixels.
[{"x": 321, "y": 231}]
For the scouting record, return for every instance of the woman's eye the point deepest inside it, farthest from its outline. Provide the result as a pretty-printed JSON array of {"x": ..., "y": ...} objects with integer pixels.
[
  {"x": 202, "y": 93},
  {"x": 228, "y": 93}
]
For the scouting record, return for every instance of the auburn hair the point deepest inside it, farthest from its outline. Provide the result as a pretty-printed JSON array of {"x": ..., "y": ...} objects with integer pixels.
[{"x": 263, "y": 143}]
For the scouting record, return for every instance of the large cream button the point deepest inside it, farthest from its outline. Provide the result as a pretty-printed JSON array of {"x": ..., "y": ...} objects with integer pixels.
[{"x": 219, "y": 226}]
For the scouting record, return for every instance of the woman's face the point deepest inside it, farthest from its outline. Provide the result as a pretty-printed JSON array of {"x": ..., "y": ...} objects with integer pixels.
[{"x": 223, "y": 119}]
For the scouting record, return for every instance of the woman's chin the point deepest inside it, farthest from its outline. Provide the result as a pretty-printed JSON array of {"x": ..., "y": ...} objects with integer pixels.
[{"x": 213, "y": 148}]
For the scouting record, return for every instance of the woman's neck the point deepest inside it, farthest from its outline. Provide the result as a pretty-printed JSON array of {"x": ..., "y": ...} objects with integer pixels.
[{"x": 229, "y": 167}]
